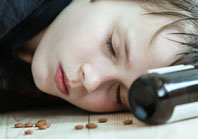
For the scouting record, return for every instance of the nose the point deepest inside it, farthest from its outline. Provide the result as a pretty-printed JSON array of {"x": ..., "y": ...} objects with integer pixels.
[{"x": 91, "y": 78}]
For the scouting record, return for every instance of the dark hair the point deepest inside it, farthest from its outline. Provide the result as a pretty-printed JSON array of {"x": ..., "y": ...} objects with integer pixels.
[{"x": 185, "y": 13}]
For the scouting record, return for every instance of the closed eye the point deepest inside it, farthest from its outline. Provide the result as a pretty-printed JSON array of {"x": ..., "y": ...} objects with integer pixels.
[
  {"x": 118, "y": 98},
  {"x": 110, "y": 46}
]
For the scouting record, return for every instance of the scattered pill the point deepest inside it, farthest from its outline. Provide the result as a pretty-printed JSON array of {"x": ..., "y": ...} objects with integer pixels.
[
  {"x": 47, "y": 124},
  {"x": 102, "y": 120},
  {"x": 19, "y": 125},
  {"x": 39, "y": 124},
  {"x": 79, "y": 126},
  {"x": 128, "y": 122},
  {"x": 28, "y": 132},
  {"x": 41, "y": 121},
  {"x": 29, "y": 125},
  {"x": 42, "y": 127},
  {"x": 91, "y": 125}
]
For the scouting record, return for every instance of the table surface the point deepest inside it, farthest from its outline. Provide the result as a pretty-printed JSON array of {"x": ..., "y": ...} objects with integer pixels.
[{"x": 64, "y": 119}]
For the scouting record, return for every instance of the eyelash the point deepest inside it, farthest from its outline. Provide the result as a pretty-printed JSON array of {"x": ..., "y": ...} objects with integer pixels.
[
  {"x": 118, "y": 96},
  {"x": 112, "y": 52},
  {"x": 110, "y": 46}
]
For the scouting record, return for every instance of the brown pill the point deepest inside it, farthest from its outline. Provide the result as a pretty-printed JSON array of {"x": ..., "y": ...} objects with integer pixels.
[
  {"x": 39, "y": 124},
  {"x": 91, "y": 125},
  {"x": 102, "y": 120},
  {"x": 29, "y": 125},
  {"x": 128, "y": 122},
  {"x": 42, "y": 127},
  {"x": 47, "y": 124},
  {"x": 41, "y": 121},
  {"x": 28, "y": 132},
  {"x": 79, "y": 126},
  {"x": 18, "y": 125}
]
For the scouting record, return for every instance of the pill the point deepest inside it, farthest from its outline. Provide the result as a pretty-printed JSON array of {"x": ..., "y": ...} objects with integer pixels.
[
  {"x": 102, "y": 120},
  {"x": 42, "y": 127},
  {"x": 39, "y": 124},
  {"x": 128, "y": 122},
  {"x": 47, "y": 124},
  {"x": 29, "y": 125},
  {"x": 79, "y": 126},
  {"x": 18, "y": 125},
  {"x": 91, "y": 125},
  {"x": 41, "y": 121},
  {"x": 28, "y": 132}
]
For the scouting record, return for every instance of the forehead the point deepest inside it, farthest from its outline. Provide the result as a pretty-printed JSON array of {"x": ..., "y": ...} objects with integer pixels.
[
  {"x": 157, "y": 53},
  {"x": 139, "y": 31}
]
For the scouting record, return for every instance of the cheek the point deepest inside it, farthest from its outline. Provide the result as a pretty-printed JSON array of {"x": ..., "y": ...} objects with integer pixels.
[
  {"x": 165, "y": 51},
  {"x": 83, "y": 40},
  {"x": 40, "y": 67},
  {"x": 83, "y": 46},
  {"x": 78, "y": 51}
]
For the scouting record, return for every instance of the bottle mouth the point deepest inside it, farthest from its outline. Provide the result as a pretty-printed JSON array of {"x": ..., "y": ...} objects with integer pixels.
[{"x": 142, "y": 99}]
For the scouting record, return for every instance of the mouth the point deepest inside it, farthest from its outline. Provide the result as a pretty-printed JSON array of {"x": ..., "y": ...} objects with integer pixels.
[{"x": 61, "y": 81}]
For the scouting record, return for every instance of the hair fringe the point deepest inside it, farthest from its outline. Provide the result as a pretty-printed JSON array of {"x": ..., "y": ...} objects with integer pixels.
[{"x": 185, "y": 14}]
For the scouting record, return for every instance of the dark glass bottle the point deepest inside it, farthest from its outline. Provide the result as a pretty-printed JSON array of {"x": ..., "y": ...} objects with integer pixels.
[{"x": 165, "y": 95}]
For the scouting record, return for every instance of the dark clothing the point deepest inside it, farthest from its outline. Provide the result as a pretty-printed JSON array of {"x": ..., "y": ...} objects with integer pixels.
[{"x": 21, "y": 20}]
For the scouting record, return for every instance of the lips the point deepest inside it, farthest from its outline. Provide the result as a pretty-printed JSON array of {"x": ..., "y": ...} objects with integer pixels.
[{"x": 61, "y": 81}]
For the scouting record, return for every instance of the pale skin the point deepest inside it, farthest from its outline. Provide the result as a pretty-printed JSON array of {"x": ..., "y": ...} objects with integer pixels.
[{"x": 77, "y": 39}]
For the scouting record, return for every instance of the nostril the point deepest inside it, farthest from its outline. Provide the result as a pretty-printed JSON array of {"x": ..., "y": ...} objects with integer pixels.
[
  {"x": 90, "y": 77},
  {"x": 83, "y": 76}
]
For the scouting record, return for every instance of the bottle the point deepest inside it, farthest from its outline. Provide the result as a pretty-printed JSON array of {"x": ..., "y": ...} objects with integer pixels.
[{"x": 165, "y": 95}]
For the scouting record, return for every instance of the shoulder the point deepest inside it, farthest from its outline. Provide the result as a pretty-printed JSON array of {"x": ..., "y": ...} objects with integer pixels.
[{"x": 15, "y": 11}]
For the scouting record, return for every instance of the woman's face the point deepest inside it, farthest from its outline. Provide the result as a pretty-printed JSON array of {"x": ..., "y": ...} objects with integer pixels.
[{"x": 80, "y": 41}]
